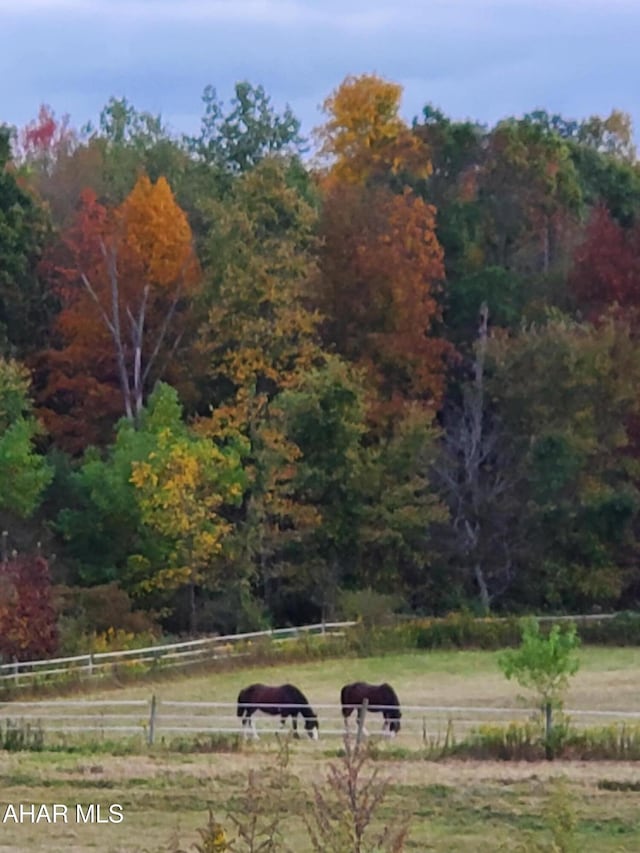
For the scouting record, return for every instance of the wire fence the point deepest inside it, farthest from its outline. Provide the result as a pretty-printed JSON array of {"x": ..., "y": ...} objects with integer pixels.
[{"x": 155, "y": 719}]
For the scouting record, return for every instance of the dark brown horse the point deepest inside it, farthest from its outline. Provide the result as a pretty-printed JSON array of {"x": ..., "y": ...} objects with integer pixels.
[
  {"x": 381, "y": 698},
  {"x": 285, "y": 701}
]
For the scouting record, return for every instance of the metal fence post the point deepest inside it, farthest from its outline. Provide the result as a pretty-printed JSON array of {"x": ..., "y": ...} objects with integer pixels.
[
  {"x": 152, "y": 721},
  {"x": 90, "y": 665},
  {"x": 362, "y": 714}
]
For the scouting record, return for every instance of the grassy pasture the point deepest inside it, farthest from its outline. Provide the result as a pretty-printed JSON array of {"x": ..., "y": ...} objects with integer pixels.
[
  {"x": 608, "y": 678},
  {"x": 455, "y": 805}
]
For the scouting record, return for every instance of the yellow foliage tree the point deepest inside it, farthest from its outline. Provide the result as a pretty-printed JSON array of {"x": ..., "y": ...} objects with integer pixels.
[
  {"x": 365, "y": 137},
  {"x": 183, "y": 487}
]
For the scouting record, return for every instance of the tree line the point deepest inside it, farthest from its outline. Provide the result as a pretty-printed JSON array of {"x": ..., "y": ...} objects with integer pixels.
[{"x": 248, "y": 378}]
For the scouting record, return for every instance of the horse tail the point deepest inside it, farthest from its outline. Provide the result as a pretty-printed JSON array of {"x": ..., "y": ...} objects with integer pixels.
[{"x": 242, "y": 698}]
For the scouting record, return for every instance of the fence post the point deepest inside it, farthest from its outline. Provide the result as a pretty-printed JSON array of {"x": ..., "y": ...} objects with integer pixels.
[
  {"x": 152, "y": 721},
  {"x": 362, "y": 713},
  {"x": 548, "y": 728},
  {"x": 16, "y": 671},
  {"x": 90, "y": 665}
]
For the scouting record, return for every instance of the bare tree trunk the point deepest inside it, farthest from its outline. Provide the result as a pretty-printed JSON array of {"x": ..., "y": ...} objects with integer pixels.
[
  {"x": 485, "y": 598},
  {"x": 133, "y": 397}
]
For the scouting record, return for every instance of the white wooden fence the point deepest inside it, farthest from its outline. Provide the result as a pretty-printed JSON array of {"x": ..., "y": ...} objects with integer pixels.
[
  {"x": 23, "y": 674},
  {"x": 26, "y": 673},
  {"x": 161, "y": 720}
]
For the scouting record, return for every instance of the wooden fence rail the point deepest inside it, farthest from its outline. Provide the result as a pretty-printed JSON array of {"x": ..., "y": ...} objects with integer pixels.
[{"x": 184, "y": 653}]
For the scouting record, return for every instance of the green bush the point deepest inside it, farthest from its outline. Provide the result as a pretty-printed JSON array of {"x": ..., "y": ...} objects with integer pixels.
[{"x": 622, "y": 630}]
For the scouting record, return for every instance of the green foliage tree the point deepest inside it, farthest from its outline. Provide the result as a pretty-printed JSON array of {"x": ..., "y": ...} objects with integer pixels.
[
  {"x": 251, "y": 131},
  {"x": 324, "y": 417},
  {"x": 24, "y": 474},
  {"x": 565, "y": 393},
  {"x": 543, "y": 664},
  {"x": 26, "y": 307},
  {"x": 102, "y": 523}
]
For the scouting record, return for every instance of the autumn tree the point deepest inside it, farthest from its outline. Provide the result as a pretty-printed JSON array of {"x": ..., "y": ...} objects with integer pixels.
[
  {"x": 151, "y": 514},
  {"x": 28, "y": 627},
  {"x": 380, "y": 278},
  {"x": 182, "y": 487},
  {"x": 259, "y": 333},
  {"x": 528, "y": 188},
  {"x": 125, "y": 278},
  {"x": 259, "y": 338},
  {"x": 606, "y": 269},
  {"x": 364, "y": 138}
]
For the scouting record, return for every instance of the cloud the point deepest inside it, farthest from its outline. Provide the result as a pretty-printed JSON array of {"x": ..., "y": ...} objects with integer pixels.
[{"x": 474, "y": 58}]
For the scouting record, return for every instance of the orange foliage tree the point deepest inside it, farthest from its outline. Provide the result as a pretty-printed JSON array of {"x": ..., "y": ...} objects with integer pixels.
[
  {"x": 125, "y": 277},
  {"x": 381, "y": 270},
  {"x": 381, "y": 265}
]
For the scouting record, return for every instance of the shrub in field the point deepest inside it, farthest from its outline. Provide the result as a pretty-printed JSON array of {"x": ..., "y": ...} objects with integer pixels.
[
  {"x": 609, "y": 743},
  {"x": 463, "y": 630},
  {"x": 117, "y": 639},
  {"x": 258, "y": 813},
  {"x": 87, "y": 612},
  {"x": 344, "y": 809},
  {"x": 368, "y": 606},
  {"x": 543, "y": 665},
  {"x": 622, "y": 630},
  {"x": 515, "y": 742}
]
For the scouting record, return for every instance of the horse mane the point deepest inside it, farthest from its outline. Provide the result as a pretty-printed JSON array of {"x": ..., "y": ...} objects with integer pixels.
[
  {"x": 391, "y": 693},
  {"x": 295, "y": 696}
]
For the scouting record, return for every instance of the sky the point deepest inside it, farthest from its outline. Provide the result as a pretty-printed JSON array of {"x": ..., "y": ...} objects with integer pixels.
[{"x": 479, "y": 59}]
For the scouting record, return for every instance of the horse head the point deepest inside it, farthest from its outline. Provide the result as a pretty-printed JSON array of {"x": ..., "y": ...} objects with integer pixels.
[
  {"x": 394, "y": 723},
  {"x": 311, "y": 727}
]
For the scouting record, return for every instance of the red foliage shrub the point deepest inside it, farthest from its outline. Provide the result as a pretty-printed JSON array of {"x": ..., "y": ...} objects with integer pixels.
[{"x": 27, "y": 617}]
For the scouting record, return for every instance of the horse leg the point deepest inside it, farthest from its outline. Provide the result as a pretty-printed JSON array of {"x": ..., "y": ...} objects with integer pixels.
[
  {"x": 346, "y": 717},
  {"x": 254, "y": 730},
  {"x": 294, "y": 723}
]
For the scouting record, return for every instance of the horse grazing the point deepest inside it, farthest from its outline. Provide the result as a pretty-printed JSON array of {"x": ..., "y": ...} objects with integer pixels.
[
  {"x": 286, "y": 700},
  {"x": 381, "y": 698}
]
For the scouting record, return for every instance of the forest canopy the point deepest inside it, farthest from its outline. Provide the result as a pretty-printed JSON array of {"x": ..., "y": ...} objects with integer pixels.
[{"x": 245, "y": 376}]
